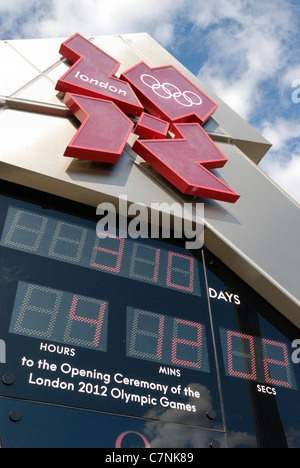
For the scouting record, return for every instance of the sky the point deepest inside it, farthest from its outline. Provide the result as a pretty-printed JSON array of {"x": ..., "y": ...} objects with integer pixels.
[{"x": 246, "y": 51}]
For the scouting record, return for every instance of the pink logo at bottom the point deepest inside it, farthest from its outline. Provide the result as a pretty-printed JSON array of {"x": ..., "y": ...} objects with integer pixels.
[{"x": 124, "y": 434}]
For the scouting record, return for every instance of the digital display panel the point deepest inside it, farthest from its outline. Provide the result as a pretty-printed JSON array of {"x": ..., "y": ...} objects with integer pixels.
[
  {"x": 52, "y": 238},
  {"x": 139, "y": 329},
  {"x": 107, "y": 324},
  {"x": 67, "y": 318},
  {"x": 259, "y": 375}
]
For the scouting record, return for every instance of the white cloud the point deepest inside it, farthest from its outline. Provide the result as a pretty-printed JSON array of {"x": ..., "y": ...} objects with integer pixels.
[
  {"x": 286, "y": 173},
  {"x": 281, "y": 132},
  {"x": 247, "y": 48},
  {"x": 291, "y": 75},
  {"x": 247, "y": 52},
  {"x": 214, "y": 11},
  {"x": 96, "y": 17},
  {"x": 282, "y": 163},
  {"x": 17, "y": 6}
]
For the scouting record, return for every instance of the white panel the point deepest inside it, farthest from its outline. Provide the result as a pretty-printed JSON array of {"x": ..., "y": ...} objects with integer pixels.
[
  {"x": 35, "y": 142},
  {"x": 40, "y": 89},
  {"x": 57, "y": 72},
  {"x": 15, "y": 70},
  {"x": 121, "y": 51},
  {"x": 42, "y": 53}
]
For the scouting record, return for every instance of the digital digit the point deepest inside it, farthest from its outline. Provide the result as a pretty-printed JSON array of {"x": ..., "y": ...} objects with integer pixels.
[
  {"x": 68, "y": 242},
  {"x": 241, "y": 355},
  {"x": 276, "y": 364},
  {"x": 85, "y": 329},
  {"x": 112, "y": 257},
  {"x": 191, "y": 349},
  {"x": 168, "y": 340},
  {"x": 180, "y": 272},
  {"x": 145, "y": 267},
  {"x": 60, "y": 316},
  {"x": 146, "y": 338},
  {"x": 38, "y": 311},
  {"x": 26, "y": 231}
]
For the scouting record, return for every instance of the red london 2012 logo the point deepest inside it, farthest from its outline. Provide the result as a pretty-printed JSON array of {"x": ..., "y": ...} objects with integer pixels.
[{"x": 165, "y": 102}]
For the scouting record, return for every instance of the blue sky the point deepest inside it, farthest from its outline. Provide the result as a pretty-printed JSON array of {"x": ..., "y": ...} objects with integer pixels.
[{"x": 247, "y": 51}]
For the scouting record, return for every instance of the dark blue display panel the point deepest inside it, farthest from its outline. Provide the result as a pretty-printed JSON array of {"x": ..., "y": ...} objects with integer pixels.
[
  {"x": 112, "y": 325},
  {"x": 45, "y": 426},
  {"x": 259, "y": 380},
  {"x": 163, "y": 347}
]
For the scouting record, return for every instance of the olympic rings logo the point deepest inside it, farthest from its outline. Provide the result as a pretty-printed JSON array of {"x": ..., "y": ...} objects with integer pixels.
[{"x": 168, "y": 91}]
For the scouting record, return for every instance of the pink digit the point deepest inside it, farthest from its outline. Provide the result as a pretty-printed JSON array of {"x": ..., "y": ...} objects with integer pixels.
[
  {"x": 231, "y": 352},
  {"x": 188, "y": 273},
  {"x": 117, "y": 253},
  {"x": 194, "y": 344},
  {"x": 98, "y": 323},
  {"x": 285, "y": 364}
]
